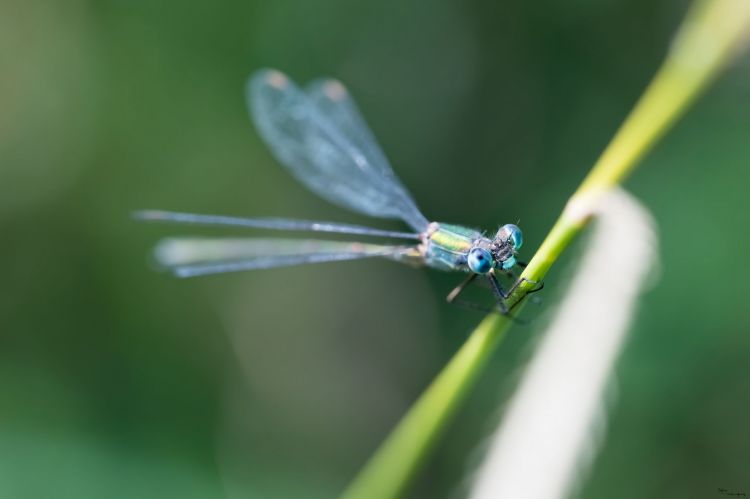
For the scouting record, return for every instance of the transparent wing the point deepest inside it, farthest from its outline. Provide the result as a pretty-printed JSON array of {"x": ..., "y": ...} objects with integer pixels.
[
  {"x": 268, "y": 223},
  {"x": 324, "y": 143},
  {"x": 333, "y": 101},
  {"x": 190, "y": 257}
]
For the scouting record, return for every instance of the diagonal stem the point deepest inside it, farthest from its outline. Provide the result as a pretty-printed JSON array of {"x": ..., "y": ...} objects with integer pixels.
[{"x": 711, "y": 34}]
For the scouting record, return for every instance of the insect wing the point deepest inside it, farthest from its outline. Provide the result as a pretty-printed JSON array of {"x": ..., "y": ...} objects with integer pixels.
[
  {"x": 190, "y": 257},
  {"x": 334, "y": 102},
  {"x": 334, "y": 154},
  {"x": 285, "y": 224}
]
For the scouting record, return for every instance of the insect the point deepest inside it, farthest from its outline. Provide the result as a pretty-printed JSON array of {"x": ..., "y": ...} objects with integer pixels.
[{"x": 319, "y": 135}]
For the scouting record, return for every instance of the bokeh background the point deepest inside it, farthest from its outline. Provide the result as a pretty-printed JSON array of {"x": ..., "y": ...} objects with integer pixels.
[{"x": 117, "y": 381}]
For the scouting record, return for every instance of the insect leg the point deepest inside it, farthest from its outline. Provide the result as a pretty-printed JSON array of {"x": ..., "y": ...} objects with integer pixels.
[
  {"x": 453, "y": 299},
  {"x": 501, "y": 308},
  {"x": 518, "y": 282},
  {"x": 500, "y": 294},
  {"x": 458, "y": 289}
]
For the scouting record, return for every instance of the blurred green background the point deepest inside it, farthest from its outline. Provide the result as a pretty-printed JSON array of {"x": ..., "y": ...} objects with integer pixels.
[{"x": 117, "y": 381}]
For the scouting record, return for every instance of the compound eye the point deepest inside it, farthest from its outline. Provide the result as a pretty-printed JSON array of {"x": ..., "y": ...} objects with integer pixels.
[
  {"x": 512, "y": 234},
  {"x": 479, "y": 261}
]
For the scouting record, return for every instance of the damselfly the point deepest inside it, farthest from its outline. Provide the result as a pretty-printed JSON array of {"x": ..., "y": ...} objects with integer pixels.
[{"x": 320, "y": 137}]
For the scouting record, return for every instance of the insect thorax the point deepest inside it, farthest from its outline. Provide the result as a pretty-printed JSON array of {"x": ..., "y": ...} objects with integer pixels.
[{"x": 445, "y": 246}]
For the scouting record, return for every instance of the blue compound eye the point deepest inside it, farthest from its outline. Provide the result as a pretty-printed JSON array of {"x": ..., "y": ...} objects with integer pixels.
[
  {"x": 512, "y": 234},
  {"x": 479, "y": 261}
]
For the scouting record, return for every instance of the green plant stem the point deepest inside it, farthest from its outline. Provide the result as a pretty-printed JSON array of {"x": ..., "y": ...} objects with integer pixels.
[
  {"x": 712, "y": 31},
  {"x": 396, "y": 460}
]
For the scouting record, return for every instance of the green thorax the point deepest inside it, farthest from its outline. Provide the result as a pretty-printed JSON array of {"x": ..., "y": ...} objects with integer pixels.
[{"x": 447, "y": 246}]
